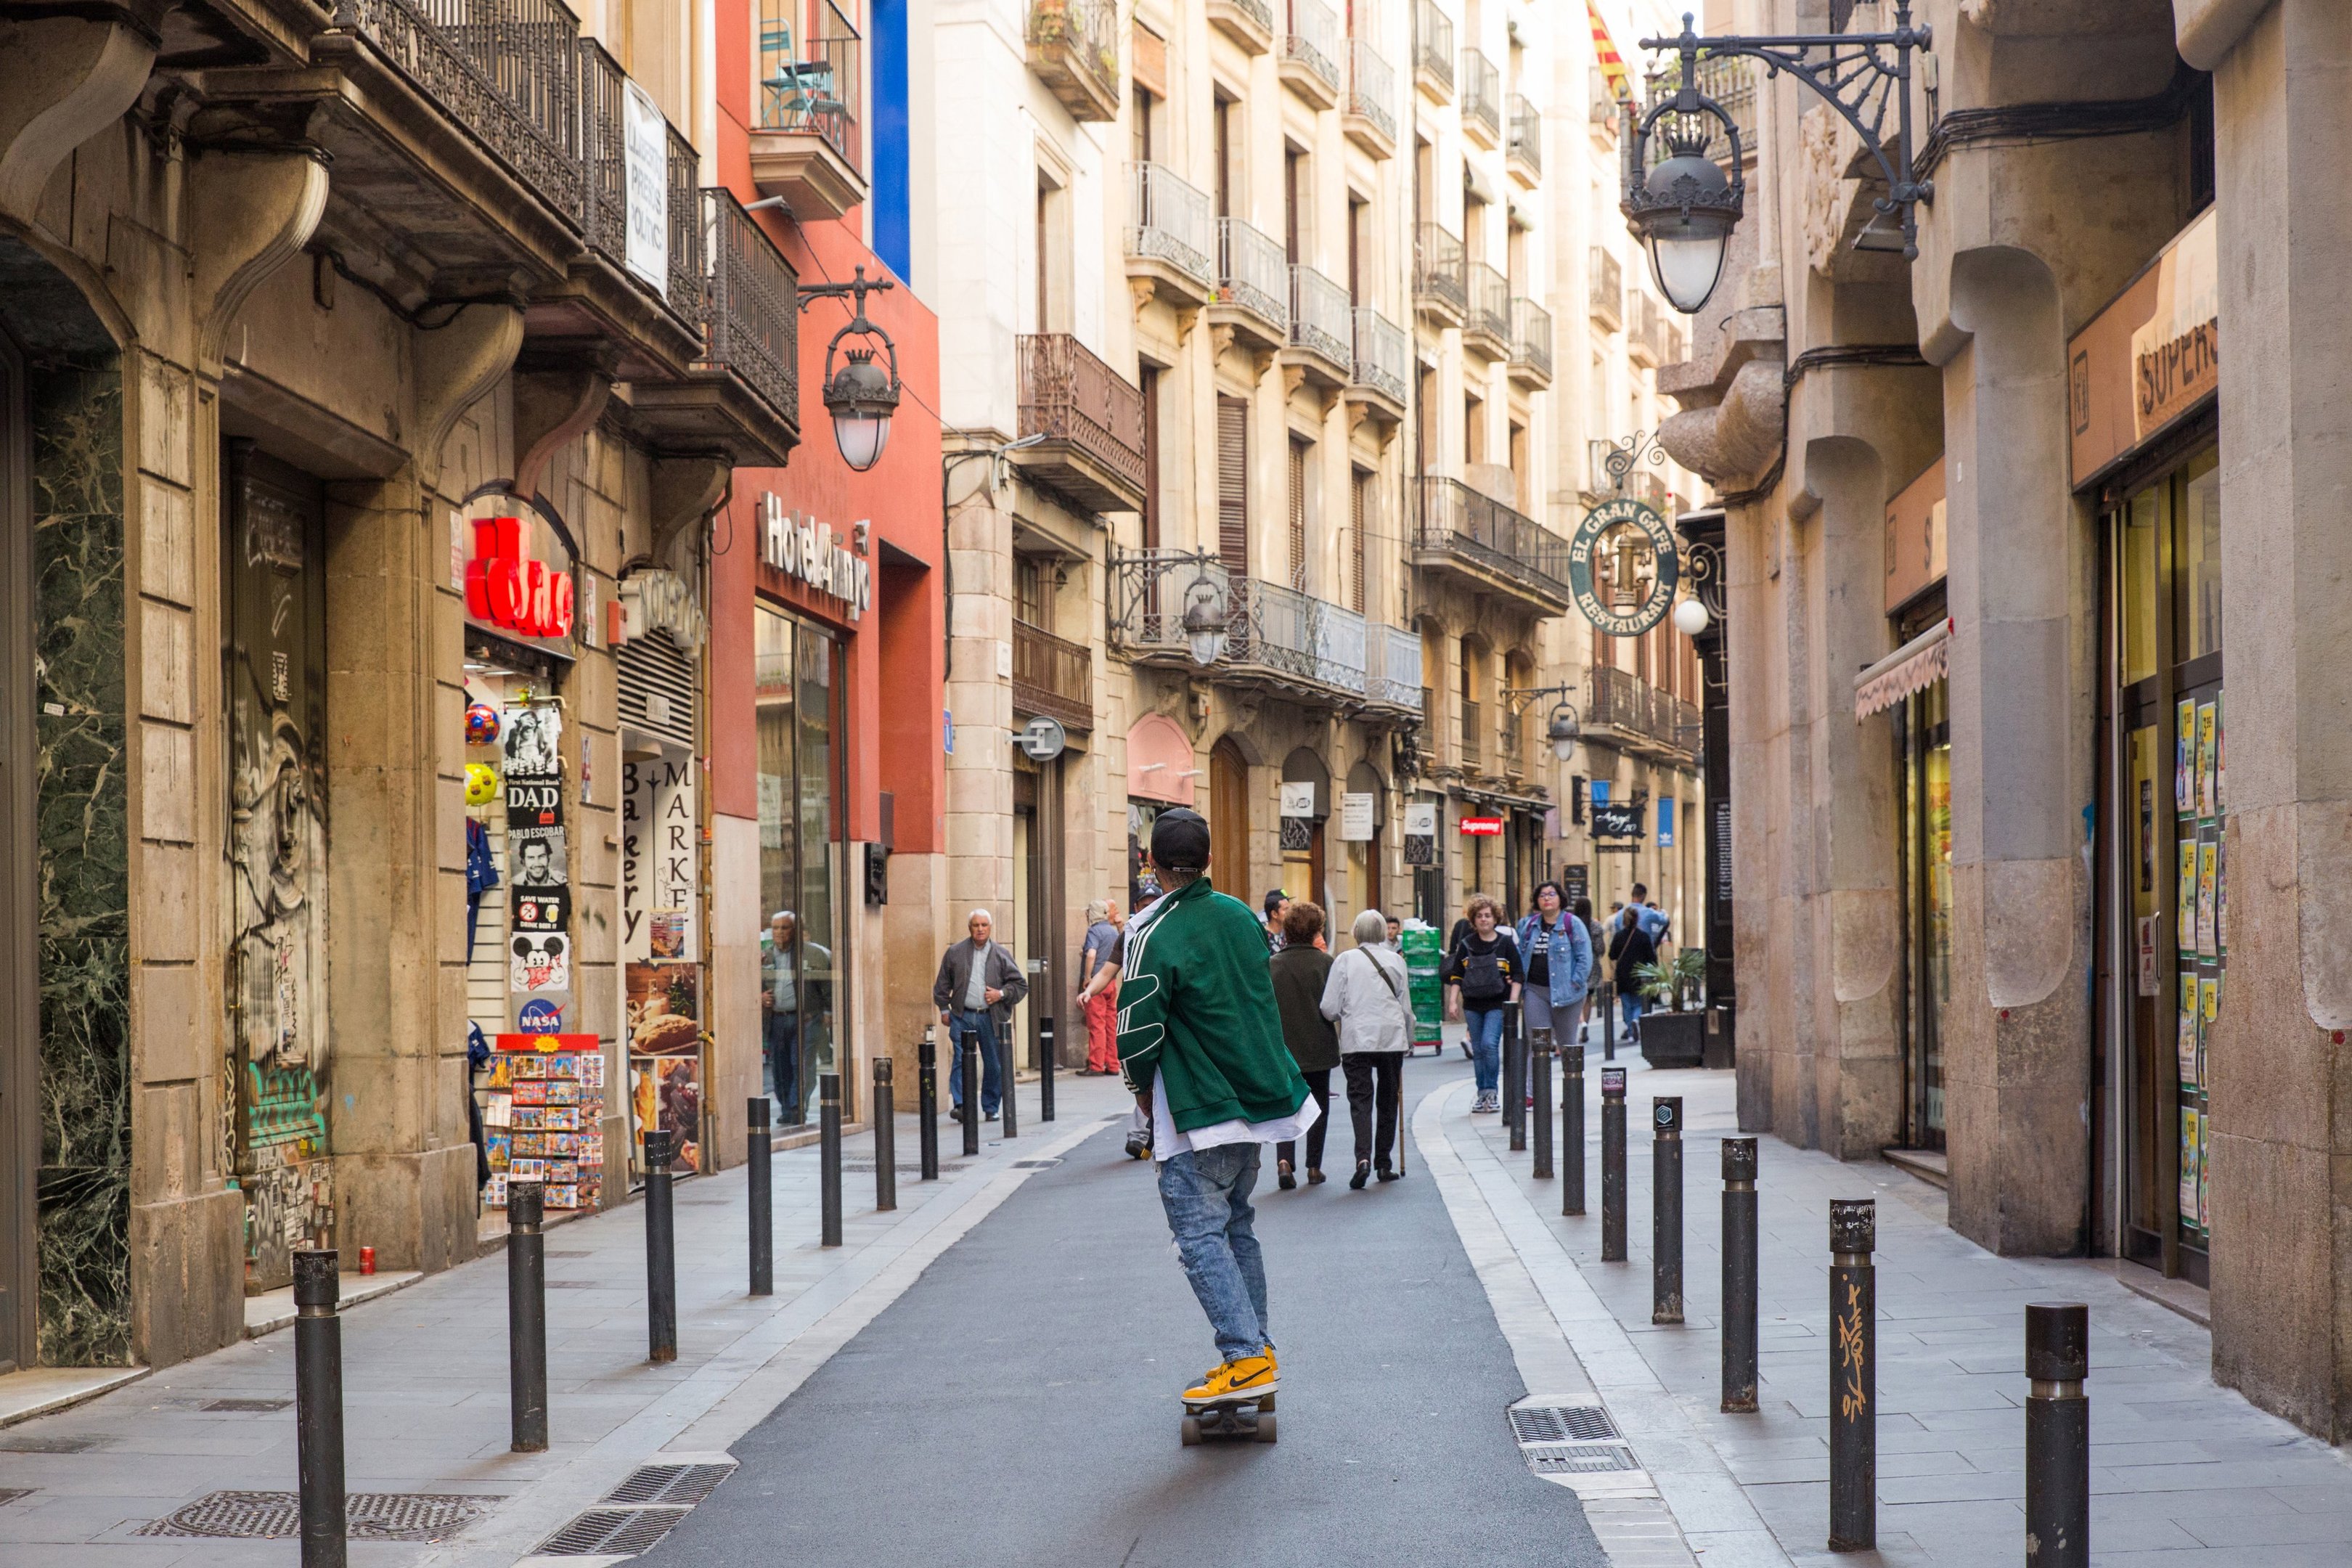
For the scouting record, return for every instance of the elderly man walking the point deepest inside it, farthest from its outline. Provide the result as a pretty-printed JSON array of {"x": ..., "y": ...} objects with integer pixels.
[{"x": 979, "y": 985}]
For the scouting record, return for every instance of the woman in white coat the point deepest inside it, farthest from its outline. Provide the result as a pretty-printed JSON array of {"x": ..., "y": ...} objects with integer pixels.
[{"x": 1366, "y": 996}]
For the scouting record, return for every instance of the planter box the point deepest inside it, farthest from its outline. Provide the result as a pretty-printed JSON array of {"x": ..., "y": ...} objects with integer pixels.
[{"x": 1674, "y": 1039}]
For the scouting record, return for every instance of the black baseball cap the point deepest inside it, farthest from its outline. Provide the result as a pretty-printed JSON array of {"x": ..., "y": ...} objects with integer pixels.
[{"x": 1179, "y": 840}]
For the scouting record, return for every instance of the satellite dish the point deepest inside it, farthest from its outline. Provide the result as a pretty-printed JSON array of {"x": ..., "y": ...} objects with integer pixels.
[{"x": 1043, "y": 739}]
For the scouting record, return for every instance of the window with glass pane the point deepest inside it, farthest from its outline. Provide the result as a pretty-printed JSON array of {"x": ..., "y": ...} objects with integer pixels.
[{"x": 796, "y": 718}]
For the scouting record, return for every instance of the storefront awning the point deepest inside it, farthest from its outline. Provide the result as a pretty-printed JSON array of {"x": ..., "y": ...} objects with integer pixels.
[{"x": 1925, "y": 659}]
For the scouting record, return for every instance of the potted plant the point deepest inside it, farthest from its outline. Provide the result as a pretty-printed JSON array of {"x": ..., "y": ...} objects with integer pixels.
[{"x": 1674, "y": 1035}]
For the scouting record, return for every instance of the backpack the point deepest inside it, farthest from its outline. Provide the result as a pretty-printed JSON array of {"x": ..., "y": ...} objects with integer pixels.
[{"x": 1483, "y": 980}]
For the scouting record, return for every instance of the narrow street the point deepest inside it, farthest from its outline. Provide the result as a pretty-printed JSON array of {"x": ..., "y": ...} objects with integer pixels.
[{"x": 1024, "y": 1390}]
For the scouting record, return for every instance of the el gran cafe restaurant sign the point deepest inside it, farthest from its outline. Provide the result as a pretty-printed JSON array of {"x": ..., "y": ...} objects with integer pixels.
[{"x": 2151, "y": 357}]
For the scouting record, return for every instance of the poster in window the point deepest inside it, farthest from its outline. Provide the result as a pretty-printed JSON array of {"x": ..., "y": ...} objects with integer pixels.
[
  {"x": 2187, "y": 1047},
  {"x": 532, "y": 740},
  {"x": 2208, "y": 1004},
  {"x": 2208, "y": 933},
  {"x": 2185, "y": 898},
  {"x": 2220, "y": 774},
  {"x": 2221, "y": 894},
  {"x": 2207, "y": 760},
  {"x": 2205, "y": 1173},
  {"x": 2190, "y": 1178},
  {"x": 2184, "y": 757}
]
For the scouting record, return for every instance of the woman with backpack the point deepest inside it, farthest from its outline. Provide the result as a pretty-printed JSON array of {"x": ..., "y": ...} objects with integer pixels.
[
  {"x": 1366, "y": 996},
  {"x": 1484, "y": 963}
]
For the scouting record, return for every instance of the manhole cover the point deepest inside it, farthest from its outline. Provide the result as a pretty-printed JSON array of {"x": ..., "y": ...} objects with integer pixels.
[
  {"x": 1034, "y": 1165},
  {"x": 611, "y": 1532},
  {"x": 278, "y": 1516},
  {"x": 48, "y": 1443},
  {"x": 257, "y": 1407},
  {"x": 1560, "y": 1424},
  {"x": 684, "y": 1484},
  {"x": 1558, "y": 1458}
]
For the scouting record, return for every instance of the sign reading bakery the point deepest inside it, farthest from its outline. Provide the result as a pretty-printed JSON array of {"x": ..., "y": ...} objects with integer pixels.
[
  {"x": 2151, "y": 357},
  {"x": 831, "y": 565}
]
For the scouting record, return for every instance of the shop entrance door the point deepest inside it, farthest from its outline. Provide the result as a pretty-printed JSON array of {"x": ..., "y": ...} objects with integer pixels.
[
  {"x": 1229, "y": 869},
  {"x": 20, "y": 1010}
]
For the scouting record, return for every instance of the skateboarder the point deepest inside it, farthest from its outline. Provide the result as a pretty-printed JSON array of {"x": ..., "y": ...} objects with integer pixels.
[{"x": 1200, "y": 1044}]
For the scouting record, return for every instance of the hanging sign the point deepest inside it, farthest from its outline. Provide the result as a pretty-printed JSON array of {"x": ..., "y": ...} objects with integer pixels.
[
  {"x": 1622, "y": 567},
  {"x": 1299, "y": 800},
  {"x": 644, "y": 157},
  {"x": 1356, "y": 817},
  {"x": 1420, "y": 833},
  {"x": 810, "y": 553},
  {"x": 655, "y": 601},
  {"x": 1616, "y": 819},
  {"x": 506, "y": 588},
  {"x": 1480, "y": 827}
]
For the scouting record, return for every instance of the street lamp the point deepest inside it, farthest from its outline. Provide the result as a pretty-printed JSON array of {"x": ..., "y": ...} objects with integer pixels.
[
  {"x": 1562, "y": 729},
  {"x": 861, "y": 396},
  {"x": 1206, "y": 619},
  {"x": 1684, "y": 209},
  {"x": 1691, "y": 617}
]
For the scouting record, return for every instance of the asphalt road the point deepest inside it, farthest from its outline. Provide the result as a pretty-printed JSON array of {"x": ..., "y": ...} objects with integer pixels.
[{"x": 1017, "y": 1406}]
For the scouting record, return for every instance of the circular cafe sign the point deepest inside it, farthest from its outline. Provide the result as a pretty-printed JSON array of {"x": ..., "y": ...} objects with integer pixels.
[{"x": 1622, "y": 567}]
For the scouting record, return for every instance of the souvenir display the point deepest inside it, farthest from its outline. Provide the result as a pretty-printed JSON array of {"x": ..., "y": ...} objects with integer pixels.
[
  {"x": 482, "y": 783},
  {"x": 546, "y": 1098},
  {"x": 481, "y": 724}
]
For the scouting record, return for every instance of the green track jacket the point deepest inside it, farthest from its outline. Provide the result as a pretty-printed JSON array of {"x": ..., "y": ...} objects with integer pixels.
[{"x": 1196, "y": 1008}]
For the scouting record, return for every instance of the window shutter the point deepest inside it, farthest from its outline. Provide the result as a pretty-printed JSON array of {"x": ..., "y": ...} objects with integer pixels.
[
  {"x": 1232, "y": 486},
  {"x": 1356, "y": 511},
  {"x": 1299, "y": 515}
]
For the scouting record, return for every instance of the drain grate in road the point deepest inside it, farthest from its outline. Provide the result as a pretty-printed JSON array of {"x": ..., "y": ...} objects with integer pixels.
[
  {"x": 252, "y": 1406},
  {"x": 278, "y": 1516},
  {"x": 1035, "y": 1164},
  {"x": 1561, "y": 1423},
  {"x": 684, "y": 1484},
  {"x": 611, "y": 1532},
  {"x": 1559, "y": 1458}
]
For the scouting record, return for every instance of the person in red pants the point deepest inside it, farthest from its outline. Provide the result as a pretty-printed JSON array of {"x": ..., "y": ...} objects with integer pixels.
[{"x": 1098, "y": 962}]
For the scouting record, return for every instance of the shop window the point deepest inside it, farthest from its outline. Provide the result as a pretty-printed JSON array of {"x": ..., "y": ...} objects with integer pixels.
[
  {"x": 2196, "y": 563},
  {"x": 798, "y": 715}
]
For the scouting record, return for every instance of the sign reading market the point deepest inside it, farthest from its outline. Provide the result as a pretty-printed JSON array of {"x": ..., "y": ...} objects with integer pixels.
[{"x": 1622, "y": 567}]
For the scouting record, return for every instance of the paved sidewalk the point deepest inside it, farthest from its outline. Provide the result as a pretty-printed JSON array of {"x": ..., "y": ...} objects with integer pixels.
[
  {"x": 2183, "y": 1473},
  {"x": 425, "y": 1368}
]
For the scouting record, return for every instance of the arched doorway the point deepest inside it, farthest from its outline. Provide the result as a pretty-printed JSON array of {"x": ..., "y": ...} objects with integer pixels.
[
  {"x": 1229, "y": 865},
  {"x": 1307, "y": 784}
]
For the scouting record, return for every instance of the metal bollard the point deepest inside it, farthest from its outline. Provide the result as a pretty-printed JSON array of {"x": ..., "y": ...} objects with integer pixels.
[
  {"x": 1608, "y": 1024},
  {"x": 829, "y": 1156},
  {"x": 1738, "y": 1274},
  {"x": 970, "y": 1096},
  {"x": 1540, "y": 1043},
  {"x": 759, "y": 1149},
  {"x": 661, "y": 1250},
  {"x": 1665, "y": 1208},
  {"x": 1515, "y": 1090},
  {"x": 1009, "y": 1107},
  {"x": 2057, "y": 1435},
  {"x": 927, "y": 1075},
  {"x": 1854, "y": 1375},
  {"x": 886, "y": 1136},
  {"x": 1044, "y": 1070},
  {"x": 319, "y": 1408},
  {"x": 526, "y": 1318},
  {"x": 1612, "y": 1164},
  {"x": 1572, "y": 1130}
]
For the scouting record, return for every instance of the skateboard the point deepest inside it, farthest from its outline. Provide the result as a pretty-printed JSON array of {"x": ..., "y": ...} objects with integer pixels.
[{"x": 1244, "y": 1417}]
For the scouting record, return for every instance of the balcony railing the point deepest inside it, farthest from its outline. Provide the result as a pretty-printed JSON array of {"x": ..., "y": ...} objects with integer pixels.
[
  {"x": 1393, "y": 666},
  {"x": 1482, "y": 92},
  {"x": 1068, "y": 394},
  {"x": 507, "y": 70},
  {"x": 1053, "y": 675},
  {"x": 1372, "y": 88},
  {"x": 1645, "y": 329},
  {"x": 809, "y": 82},
  {"x": 1383, "y": 357},
  {"x": 1439, "y": 274},
  {"x": 750, "y": 317},
  {"x": 1524, "y": 133},
  {"x": 1605, "y": 282},
  {"x": 604, "y": 209},
  {"x": 1074, "y": 48},
  {"x": 1311, "y": 38},
  {"x": 1730, "y": 82},
  {"x": 1319, "y": 315},
  {"x": 1253, "y": 272},
  {"x": 1623, "y": 701},
  {"x": 1271, "y": 628},
  {"x": 1433, "y": 43},
  {"x": 1168, "y": 220},
  {"x": 1531, "y": 336},
  {"x": 1474, "y": 732},
  {"x": 1458, "y": 519},
  {"x": 1490, "y": 305}
]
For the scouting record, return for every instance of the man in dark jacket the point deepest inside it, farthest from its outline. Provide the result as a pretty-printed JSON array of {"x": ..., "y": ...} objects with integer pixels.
[
  {"x": 979, "y": 985},
  {"x": 1630, "y": 948}
]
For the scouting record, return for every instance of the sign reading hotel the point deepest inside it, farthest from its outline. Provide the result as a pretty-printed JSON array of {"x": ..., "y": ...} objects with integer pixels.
[
  {"x": 811, "y": 553},
  {"x": 2150, "y": 357}
]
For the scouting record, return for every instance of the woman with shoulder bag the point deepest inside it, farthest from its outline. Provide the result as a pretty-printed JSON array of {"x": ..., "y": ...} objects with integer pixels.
[
  {"x": 1484, "y": 963},
  {"x": 1559, "y": 954},
  {"x": 1365, "y": 995}
]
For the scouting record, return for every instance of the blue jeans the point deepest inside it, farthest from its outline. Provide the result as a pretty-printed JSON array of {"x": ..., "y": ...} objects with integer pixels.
[
  {"x": 1629, "y": 1003},
  {"x": 1485, "y": 1045},
  {"x": 1206, "y": 1193},
  {"x": 982, "y": 1024},
  {"x": 784, "y": 1060}
]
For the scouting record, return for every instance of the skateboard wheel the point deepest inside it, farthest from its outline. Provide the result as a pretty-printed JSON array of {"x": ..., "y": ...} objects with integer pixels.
[
  {"x": 1267, "y": 1404},
  {"x": 1264, "y": 1426},
  {"x": 1189, "y": 1429}
]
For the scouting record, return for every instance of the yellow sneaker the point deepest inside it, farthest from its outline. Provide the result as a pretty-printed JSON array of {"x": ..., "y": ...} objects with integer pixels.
[{"x": 1247, "y": 1378}]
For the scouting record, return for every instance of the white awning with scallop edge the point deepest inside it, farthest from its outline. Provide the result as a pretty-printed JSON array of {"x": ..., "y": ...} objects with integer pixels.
[{"x": 1925, "y": 659}]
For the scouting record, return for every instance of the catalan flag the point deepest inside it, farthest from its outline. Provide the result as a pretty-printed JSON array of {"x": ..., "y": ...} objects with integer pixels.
[{"x": 1613, "y": 64}]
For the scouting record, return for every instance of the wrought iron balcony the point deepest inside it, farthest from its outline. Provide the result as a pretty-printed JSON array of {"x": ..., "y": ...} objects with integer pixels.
[
  {"x": 1482, "y": 99},
  {"x": 1321, "y": 332},
  {"x": 805, "y": 143},
  {"x": 1248, "y": 22},
  {"x": 1487, "y": 328},
  {"x": 752, "y": 306},
  {"x": 1253, "y": 285},
  {"x": 1052, "y": 676},
  {"x": 1489, "y": 545},
  {"x": 1074, "y": 50},
  {"x": 1274, "y": 636},
  {"x": 1383, "y": 361},
  {"x": 1433, "y": 51},
  {"x": 1440, "y": 278},
  {"x": 1367, "y": 107},
  {"x": 1091, "y": 417},
  {"x": 1170, "y": 236},
  {"x": 1310, "y": 52},
  {"x": 1605, "y": 284},
  {"x": 1530, "y": 342},
  {"x": 1645, "y": 329},
  {"x": 1393, "y": 667},
  {"x": 1630, "y": 714},
  {"x": 605, "y": 204},
  {"x": 1523, "y": 143}
]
